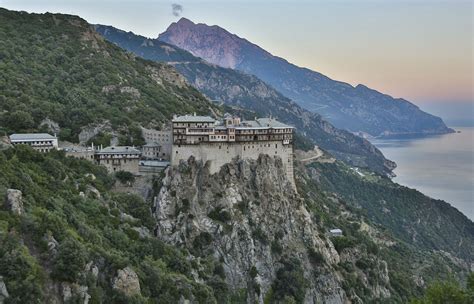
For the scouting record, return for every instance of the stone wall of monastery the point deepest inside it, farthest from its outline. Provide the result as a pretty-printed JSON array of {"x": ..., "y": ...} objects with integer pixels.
[{"x": 219, "y": 154}]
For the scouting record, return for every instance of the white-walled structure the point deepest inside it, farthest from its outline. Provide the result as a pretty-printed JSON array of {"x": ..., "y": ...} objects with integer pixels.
[
  {"x": 219, "y": 142},
  {"x": 41, "y": 142}
]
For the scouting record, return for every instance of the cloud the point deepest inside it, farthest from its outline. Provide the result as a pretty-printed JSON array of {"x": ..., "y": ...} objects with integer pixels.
[{"x": 177, "y": 9}]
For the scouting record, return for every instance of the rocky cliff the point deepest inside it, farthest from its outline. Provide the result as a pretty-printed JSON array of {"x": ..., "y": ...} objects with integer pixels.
[
  {"x": 357, "y": 109},
  {"x": 249, "y": 217}
]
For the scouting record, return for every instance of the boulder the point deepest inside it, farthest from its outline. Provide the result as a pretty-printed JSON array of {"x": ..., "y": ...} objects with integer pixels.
[
  {"x": 93, "y": 269},
  {"x": 52, "y": 244},
  {"x": 3, "y": 291},
  {"x": 51, "y": 125},
  {"x": 14, "y": 201},
  {"x": 77, "y": 291},
  {"x": 127, "y": 281},
  {"x": 143, "y": 232}
]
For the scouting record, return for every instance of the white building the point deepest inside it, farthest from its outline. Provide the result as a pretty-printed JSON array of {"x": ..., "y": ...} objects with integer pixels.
[
  {"x": 219, "y": 142},
  {"x": 335, "y": 232},
  {"x": 119, "y": 158},
  {"x": 41, "y": 142}
]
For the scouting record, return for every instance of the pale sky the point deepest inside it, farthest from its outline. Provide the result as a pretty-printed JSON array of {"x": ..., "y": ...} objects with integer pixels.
[{"x": 419, "y": 50}]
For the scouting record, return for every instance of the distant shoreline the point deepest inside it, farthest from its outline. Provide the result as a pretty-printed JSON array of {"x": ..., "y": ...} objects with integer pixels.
[{"x": 439, "y": 166}]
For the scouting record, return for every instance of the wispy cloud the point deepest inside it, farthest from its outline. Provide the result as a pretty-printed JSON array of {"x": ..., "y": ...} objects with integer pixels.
[{"x": 177, "y": 9}]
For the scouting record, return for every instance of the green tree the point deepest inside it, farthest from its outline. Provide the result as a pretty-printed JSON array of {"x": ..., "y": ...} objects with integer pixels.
[
  {"x": 70, "y": 261},
  {"x": 448, "y": 292}
]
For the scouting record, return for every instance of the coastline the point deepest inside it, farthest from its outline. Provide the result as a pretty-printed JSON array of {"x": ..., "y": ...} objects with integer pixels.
[{"x": 438, "y": 165}]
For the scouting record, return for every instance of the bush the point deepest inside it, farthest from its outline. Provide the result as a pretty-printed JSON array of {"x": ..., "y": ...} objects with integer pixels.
[
  {"x": 70, "y": 261},
  {"x": 342, "y": 242},
  {"x": 289, "y": 281},
  {"x": 258, "y": 234},
  {"x": 125, "y": 177},
  {"x": 447, "y": 292},
  {"x": 220, "y": 215},
  {"x": 203, "y": 240},
  {"x": 315, "y": 257},
  {"x": 276, "y": 247}
]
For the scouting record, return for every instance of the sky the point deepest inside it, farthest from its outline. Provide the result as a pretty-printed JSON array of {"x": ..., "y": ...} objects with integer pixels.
[{"x": 415, "y": 49}]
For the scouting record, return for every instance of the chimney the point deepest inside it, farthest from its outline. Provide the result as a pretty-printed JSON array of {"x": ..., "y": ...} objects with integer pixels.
[{"x": 194, "y": 113}]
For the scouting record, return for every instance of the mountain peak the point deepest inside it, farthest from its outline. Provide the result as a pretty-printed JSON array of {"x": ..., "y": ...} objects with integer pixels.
[
  {"x": 183, "y": 21},
  {"x": 212, "y": 43}
]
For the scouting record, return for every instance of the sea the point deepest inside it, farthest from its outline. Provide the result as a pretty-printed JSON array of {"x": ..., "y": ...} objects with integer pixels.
[{"x": 440, "y": 166}]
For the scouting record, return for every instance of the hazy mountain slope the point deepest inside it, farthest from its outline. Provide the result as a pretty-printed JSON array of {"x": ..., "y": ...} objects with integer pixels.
[
  {"x": 247, "y": 91},
  {"x": 353, "y": 108},
  {"x": 56, "y": 66}
]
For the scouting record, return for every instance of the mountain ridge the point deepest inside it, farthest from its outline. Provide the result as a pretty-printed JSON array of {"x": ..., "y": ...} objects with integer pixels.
[
  {"x": 235, "y": 88},
  {"x": 345, "y": 106}
]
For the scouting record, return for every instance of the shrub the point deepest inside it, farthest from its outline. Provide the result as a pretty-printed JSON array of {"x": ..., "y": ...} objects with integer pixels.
[
  {"x": 70, "y": 260},
  {"x": 220, "y": 215},
  {"x": 258, "y": 234},
  {"x": 203, "y": 240},
  {"x": 289, "y": 281},
  {"x": 342, "y": 242},
  {"x": 276, "y": 247},
  {"x": 125, "y": 177},
  {"x": 315, "y": 257}
]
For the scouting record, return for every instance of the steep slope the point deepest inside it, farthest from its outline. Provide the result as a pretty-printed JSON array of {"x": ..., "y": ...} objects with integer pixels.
[
  {"x": 410, "y": 215},
  {"x": 65, "y": 237},
  {"x": 357, "y": 109},
  {"x": 274, "y": 243},
  {"x": 238, "y": 89},
  {"x": 56, "y": 66}
]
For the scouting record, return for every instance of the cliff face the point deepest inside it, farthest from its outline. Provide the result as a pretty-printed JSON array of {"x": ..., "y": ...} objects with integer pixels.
[
  {"x": 249, "y": 217},
  {"x": 357, "y": 109}
]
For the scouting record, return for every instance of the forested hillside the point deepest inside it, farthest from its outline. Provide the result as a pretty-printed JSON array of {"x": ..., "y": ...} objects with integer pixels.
[
  {"x": 73, "y": 233},
  {"x": 56, "y": 66}
]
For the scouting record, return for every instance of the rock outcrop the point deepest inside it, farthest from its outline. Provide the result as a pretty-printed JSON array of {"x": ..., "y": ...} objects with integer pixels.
[
  {"x": 248, "y": 216},
  {"x": 14, "y": 201},
  {"x": 75, "y": 291},
  {"x": 127, "y": 281},
  {"x": 51, "y": 125},
  {"x": 3, "y": 291}
]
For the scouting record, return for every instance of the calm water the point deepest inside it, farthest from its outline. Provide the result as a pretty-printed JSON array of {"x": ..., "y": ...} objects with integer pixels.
[{"x": 441, "y": 167}]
